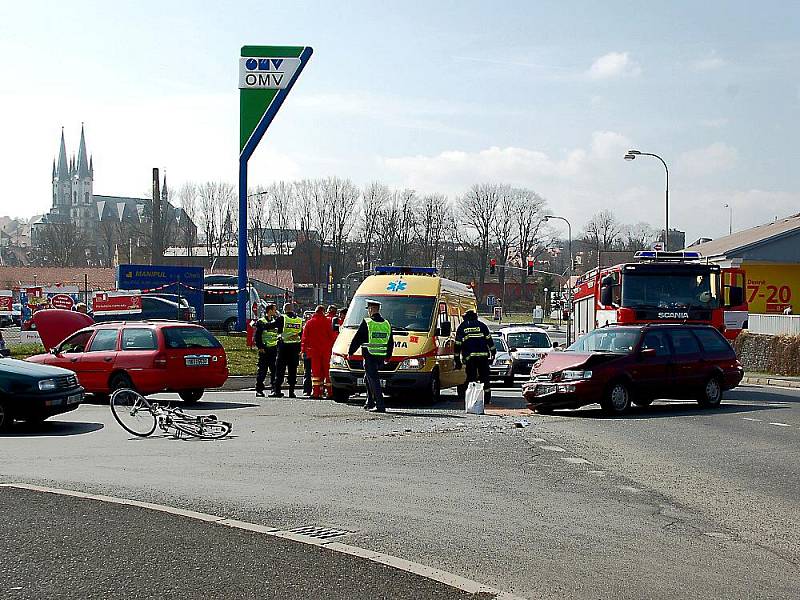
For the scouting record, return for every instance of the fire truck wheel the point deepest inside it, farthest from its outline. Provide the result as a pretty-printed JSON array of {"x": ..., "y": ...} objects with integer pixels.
[
  {"x": 711, "y": 394},
  {"x": 617, "y": 399}
]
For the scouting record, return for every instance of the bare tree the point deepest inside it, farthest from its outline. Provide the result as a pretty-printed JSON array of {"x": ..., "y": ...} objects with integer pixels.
[
  {"x": 434, "y": 212},
  {"x": 503, "y": 229},
  {"x": 374, "y": 199},
  {"x": 341, "y": 202},
  {"x": 216, "y": 208},
  {"x": 314, "y": 223},
  {"x": 477, "y": 211},
  {"x": 528, "y": 209},
  {"x": 63, "y": 244},
  {"x": 602, "y": 232},
  {"x": 639, "y": 236},
  {"x": 187, "y": 230},
  {"x": 256, "y": 217}
]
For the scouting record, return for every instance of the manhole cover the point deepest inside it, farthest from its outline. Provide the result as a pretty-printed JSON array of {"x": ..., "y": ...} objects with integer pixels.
[{"x": 320, "y": 533}]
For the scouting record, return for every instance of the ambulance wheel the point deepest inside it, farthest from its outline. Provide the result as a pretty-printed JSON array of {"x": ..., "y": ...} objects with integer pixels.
[
  {"x": 230, "y": 325},
  {"x": 433, "y": 393}
]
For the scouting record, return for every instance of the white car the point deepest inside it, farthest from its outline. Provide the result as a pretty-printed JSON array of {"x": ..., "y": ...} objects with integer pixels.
[
  {"x": 527, "y": 345},
  {"x": 502, "y": 367}
]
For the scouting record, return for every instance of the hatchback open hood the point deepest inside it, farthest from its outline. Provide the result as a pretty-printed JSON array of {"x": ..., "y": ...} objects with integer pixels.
[
  {"x": 55, "y": 325},
  {"x": 560, "y": 361}
]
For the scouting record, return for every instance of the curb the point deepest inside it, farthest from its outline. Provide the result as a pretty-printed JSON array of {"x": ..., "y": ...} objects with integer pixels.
[
  {"x": 773, "y": 381},
  {"x": 449, "y": 579}
]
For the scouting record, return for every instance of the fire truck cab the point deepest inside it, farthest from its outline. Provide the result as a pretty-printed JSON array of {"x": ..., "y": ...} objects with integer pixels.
[{"x": 661, "y": 287}]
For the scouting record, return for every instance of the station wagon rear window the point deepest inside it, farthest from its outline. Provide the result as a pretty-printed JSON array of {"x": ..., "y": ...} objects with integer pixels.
[{"x": 189, "y": 337}]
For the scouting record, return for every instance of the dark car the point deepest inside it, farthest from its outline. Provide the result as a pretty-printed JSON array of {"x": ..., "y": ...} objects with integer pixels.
[
  {"x": 620, "y": 365},
  {"x": 34, "y": 392},
  {"x": 154, "y": 308}
]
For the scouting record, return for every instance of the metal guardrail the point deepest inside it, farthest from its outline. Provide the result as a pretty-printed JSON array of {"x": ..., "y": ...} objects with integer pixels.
[{"x": 774, "y": 324}]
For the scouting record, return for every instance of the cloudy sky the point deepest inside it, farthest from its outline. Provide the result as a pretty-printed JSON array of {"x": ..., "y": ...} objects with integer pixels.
[{"x": 430, "y": 95}]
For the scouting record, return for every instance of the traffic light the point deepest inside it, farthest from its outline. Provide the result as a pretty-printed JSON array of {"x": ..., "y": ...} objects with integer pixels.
[
  {"x": 530, "y": 266},
  {"x": 492, "y": 266}
]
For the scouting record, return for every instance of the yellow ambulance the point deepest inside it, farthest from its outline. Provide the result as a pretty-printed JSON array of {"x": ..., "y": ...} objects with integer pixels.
[{"x": 424, "y": 311}]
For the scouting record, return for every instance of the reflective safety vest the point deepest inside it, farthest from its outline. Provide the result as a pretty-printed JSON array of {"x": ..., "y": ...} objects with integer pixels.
[
  {"x": 378, "y": 340},
  {"x": 269, "y": 336},
  {"x": 475, "y": 333},
  {"x": 292, "y": 328}
]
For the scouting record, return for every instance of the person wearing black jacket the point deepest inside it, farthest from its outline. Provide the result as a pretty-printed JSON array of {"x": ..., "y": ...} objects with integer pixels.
[
  {"x": 374, "y": 338},
  {"x": 289, "y": 327},
  {"x": 475, "y": 345},
  {"x": 266, "y": 340}
]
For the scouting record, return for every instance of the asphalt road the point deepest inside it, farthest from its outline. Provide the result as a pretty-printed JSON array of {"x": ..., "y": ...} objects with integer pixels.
[{"x": 669, "y": 502}]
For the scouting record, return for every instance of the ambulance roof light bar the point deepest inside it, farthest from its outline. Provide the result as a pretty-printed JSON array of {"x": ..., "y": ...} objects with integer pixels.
[
  {"x": 392, "y": 270},
  {"x": 656, "y": 255}
]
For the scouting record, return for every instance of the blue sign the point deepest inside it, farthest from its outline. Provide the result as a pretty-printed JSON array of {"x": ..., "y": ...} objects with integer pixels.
[
  {"x": 184, "y": 281},
  {"x": 491, "y": 301}
]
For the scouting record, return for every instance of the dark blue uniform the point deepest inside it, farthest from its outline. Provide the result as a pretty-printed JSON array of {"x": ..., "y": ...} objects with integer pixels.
[{"x": 474, "y": 344}]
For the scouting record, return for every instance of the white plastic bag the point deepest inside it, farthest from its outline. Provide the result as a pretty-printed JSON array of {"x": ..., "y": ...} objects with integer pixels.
[{"x": 474, "y": 398}]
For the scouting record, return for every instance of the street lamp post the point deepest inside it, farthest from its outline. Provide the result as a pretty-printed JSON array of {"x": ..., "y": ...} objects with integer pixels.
[
  {"x": 730, "y": 219},
  {"x": 569, "y": 271},
  {"x": 631, "y": 155}
]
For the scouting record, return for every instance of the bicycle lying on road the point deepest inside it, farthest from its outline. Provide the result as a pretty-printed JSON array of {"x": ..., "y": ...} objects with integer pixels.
[{"x": 140, "y": 417}]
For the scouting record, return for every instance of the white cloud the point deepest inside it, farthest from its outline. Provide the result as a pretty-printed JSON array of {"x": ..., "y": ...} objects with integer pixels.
[
  {"x": 714, "y": 123},
  {"x": 613, "y": 65},
  {"x": 711, "y": 159},
  {"x": 708, "y": 63}
]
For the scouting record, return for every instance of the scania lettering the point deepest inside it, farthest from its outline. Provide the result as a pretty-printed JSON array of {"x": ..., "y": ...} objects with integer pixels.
[{"x": 659, "y": 287}]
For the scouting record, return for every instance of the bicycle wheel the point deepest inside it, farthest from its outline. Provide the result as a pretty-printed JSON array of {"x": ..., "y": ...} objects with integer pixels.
[
  {"x": 133, "y": 412},
  {"x": 203, "y": 427}
]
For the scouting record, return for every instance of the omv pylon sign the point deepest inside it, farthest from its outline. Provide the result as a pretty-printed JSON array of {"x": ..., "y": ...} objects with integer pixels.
[{"x": 266, "y": 76}]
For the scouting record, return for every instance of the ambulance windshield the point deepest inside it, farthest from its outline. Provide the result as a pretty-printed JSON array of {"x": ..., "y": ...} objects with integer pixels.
[{"x": 404, "y": 313}]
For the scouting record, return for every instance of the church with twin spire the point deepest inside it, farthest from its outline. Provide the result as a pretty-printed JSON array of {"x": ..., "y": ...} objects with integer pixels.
[{"x": 104, "y": 223}]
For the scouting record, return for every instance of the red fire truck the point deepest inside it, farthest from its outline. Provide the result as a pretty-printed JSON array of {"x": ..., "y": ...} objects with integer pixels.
[{"x": 661, "y": 287}]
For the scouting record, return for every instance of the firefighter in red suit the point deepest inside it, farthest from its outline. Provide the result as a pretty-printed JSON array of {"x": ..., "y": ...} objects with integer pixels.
[{"x": 316, "y": 344}]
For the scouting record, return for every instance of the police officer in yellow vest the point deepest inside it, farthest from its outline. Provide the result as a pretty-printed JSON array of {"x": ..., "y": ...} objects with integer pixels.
[
  {"x": 267, "y": 344},
  {"x": 289, "y": 327},
  {"x": 374, "y": 337}
]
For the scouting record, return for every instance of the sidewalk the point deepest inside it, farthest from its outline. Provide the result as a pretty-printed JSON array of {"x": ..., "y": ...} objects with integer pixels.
[
  {"x": 776, "y": 380},
  {"x": 56, "y": 546}
]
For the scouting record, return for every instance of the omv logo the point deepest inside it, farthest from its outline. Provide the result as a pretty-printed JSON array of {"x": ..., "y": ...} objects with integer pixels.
[
  {"x": 396, "y": 286},
  {"x": 263, "y": 64}
]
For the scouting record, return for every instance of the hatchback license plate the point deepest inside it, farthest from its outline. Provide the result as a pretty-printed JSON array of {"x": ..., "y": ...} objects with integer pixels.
[
  {"x": 74, "y": 399},
  {"x": 196, "y": 361}
]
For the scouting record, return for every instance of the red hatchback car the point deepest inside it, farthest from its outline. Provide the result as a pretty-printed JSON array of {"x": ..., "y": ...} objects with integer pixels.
[
  {"x": 148, "y": 356},
  {"x": 619, "y": 365}
]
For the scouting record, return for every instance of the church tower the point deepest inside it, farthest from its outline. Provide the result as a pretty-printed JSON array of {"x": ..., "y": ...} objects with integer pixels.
[
  {"x": 62, "y": 185},
  {"x": 82, "y": 209}
]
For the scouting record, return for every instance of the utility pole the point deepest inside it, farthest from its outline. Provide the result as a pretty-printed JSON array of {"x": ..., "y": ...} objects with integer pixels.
[{"x": 157, "y": 249}]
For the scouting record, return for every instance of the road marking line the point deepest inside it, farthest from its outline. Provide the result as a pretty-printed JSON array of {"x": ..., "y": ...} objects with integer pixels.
[
  {"x": 781, "y": 424},
  {"x": 575, "y": 460},
  {"x": 538, "y": 439},
  {"x": 751, "y": 419},
  {"x": 449, "y": 579},
  {"x": 598, "y": 473},
  {"x": 552, "y": 448}
]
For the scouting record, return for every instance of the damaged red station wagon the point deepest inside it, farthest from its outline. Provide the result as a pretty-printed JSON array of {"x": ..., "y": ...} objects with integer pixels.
[{"x": 620, "y": 365}]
